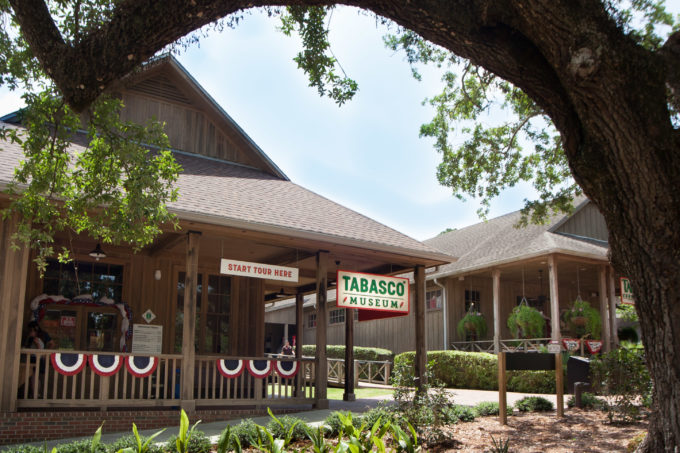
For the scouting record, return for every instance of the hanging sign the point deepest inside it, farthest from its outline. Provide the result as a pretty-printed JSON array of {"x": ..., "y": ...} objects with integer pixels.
[
  {"x": 626, "y": 292},
  {"x": 258, "y": 270},
  {"x": 373, "y": 292}
]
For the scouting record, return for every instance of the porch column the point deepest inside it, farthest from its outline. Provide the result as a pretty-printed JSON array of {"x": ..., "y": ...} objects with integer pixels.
[
  {"x": 321, "y": 381},
  {"x": 421, "y": 347},
  {"x": 188, "y": 402},
  {"x": 604, "y": 312},
  {"x": 554, "y": 300},
  {"x": 299, "y": 324},
  {"x": 349, "y": 356},
  {"x": 13, "y": 275},
  {"x": 496, "y": 274},
  {"x": 614, "y": 339}
]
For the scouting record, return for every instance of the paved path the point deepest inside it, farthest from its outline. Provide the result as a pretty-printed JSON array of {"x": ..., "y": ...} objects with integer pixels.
[{"x": 313, "y": 417}]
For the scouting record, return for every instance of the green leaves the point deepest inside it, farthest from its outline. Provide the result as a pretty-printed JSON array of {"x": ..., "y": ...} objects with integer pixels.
[{"x": 114, "y": 187}]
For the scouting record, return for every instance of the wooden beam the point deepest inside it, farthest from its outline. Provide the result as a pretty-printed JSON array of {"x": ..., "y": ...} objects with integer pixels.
[
  {"x": 604, "y": 309},
  {"x": 166, "y": 242},
  {"x": 349, "y": 356},
  {"x": 421, "y": 346},
  {"x": 502, "y": 395},
  {"x": 189, "y": 321},
  {"x": 554, "y": 300},
  {"x": 496, "y": 274},
  {"x": 321, "y": 381}
]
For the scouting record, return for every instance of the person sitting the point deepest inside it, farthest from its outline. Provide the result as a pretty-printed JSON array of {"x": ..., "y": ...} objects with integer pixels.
[
  {"x": 287, "y": 349},
  {"x": 38, "y": 338}
]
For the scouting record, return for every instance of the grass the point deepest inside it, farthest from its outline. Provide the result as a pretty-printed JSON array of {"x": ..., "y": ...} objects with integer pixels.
[{"x": 336, "y": 393}]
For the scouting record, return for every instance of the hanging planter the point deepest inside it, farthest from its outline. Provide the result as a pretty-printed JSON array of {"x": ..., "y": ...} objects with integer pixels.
[
  {"x": 526, "y": 321},
  {"x": 472, "y": 325},
  {"x": 583, "y": 320}
]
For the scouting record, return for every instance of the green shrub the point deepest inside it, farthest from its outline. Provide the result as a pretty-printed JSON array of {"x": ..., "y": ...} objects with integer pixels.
[
  {"x": 479, "y": 370},
  {"x": 334, "y": 422},
  {"x": 534, "y": 404},
  {"x": 198, "y": 442},
  {"x": 621, "y": 376},
  {"x": 385, "y": 414},
  {"x": 299, "y": 432},
  {"x": 21, "y": 449},
  {"x": 588, "y": 401},
  {"x": 130, "y": 441},
  {"x": 456, "y": 412},
  {"x": 80, "y": 446},
  {"x": 246, "y": 431},
  {"x": 488, "y": 408},
  {"x": 360, "y": 353}
]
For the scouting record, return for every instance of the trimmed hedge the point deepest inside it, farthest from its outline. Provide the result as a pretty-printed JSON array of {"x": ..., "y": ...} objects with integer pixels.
[
  {"x": 479, "y": 371},
  {"x": 337, "y": 351}
]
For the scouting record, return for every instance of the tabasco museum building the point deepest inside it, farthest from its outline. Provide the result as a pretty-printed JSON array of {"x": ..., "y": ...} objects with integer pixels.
[{"x": 182, "y": 323}]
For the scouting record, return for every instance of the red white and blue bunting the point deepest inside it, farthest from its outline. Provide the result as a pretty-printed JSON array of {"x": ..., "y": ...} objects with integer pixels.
[
  {"x": 571, "y": 344},
  {"x": 230, "y": 368},
  {"x": 286, "y": 368},
  {"x": 68, "y": 364},
  {"x": 140, "y": 366},
  {"x": 594, "y": 346},
  {"x": 259, "y": 368},
  {"x": 105, "y": 364}
]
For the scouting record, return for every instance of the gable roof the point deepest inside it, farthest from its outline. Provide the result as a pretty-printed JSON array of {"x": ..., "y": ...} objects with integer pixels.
[{"x": 497, "y": 241}]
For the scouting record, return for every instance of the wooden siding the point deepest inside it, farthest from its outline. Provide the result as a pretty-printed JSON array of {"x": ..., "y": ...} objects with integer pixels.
[
  {"x": 587, "y": 223},
  {"x": 188, "y": 129}
]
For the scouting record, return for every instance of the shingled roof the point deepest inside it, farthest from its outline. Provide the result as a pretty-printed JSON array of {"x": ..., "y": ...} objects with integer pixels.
[
  {"x": 223, "y": 193},
  {"x": 498, "y": 241}
]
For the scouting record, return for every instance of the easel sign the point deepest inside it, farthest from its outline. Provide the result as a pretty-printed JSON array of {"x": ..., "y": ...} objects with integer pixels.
[{"x": 515, "y": 361}]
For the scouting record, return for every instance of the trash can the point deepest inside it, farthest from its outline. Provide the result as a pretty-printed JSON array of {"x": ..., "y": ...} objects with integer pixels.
[{"x": 578, "y": 370}]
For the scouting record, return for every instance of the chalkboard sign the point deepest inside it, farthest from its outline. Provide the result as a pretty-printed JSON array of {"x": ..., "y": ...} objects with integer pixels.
[{"x": 529, "y": 361}]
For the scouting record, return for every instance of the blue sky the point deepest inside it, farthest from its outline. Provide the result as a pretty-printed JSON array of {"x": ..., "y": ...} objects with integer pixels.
[{"x": 366, "y": 154}]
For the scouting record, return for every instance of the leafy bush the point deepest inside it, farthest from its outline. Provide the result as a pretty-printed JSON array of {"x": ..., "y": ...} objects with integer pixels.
[
  {"x": 360, "y": 353},
  {"x": 21, "y": 449},
  {"x": 487, "y": 408},
  {"x": 334, "y": 422},
  {"x": 246, "y": 432},
  {"x": 588, "y": 401},
  {"x": 80, "y": 446},
  {"x": 456, "y": 412},
  {"x": 198, "y": 442},
  {"x": 534, "y": 404},
  {"x": 385, "y": 414},
  {"x": 621, "y": 376},
  {"x": 478, "y": 370},
  {"x": 299, "y": 431}
]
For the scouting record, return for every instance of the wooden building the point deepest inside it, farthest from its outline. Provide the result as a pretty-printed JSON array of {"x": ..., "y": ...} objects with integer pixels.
[
  {"x": 497, "y": 265},
  {"x": 181, "y": 326}
]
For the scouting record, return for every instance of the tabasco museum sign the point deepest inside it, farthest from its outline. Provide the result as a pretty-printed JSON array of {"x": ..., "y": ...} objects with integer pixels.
[
  {"x": 626, "y": 292},
  {"x": 258, "y": 270},
  {"x": 373, "y": 292}
]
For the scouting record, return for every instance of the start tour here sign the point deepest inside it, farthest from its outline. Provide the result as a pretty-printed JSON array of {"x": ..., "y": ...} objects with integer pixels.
[
  {"x": 626, "y": 292},
  {"x": 373, "y": 292},
  {"x": 258, "y": 270}
]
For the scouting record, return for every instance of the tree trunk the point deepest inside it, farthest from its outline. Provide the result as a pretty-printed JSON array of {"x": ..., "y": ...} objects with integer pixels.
[{"x": 605, "y": 94}]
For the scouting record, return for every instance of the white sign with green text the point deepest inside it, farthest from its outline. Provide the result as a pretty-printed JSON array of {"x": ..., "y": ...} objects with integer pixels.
[
  {"x": 626, "y": 292},
  {"x": 373, "y": 292}
]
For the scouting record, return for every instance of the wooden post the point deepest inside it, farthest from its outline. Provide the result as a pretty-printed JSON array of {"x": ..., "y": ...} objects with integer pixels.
[
  {"x": 614, "y": 333},
  {"x": 13, "y": 275},
  {"x": 321, "y": 381},
  {"x": 604, "y": 312},
  {"x": 559, "y": 385},
  {"x": 502, "y": 397},
  {"x": 496, "y": 274},
  {"x": 188, "y": 327},
  {"x": 349, "y": 356},
  {"x": 299, "y": 327},
  {"x": 554, "y": 300},
  {"x": 421, "y": 347}
]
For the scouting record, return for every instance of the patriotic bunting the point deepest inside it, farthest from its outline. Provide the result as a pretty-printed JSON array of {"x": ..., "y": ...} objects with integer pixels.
[
  {"x": 230, "y": 368},
  {"x": 259, "y": 368},
  {"x": 105, "y": 365},
  {"x": 594, "y": 346},
  {"x": 141, "y": 367},
  {"x": 286, "y": 368},
  {"x": 571, "y": 344},
  {"x": 67, "y": 364}
]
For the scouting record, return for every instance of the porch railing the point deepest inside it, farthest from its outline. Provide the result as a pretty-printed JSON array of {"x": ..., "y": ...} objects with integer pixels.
[
  {"x": 41, "y": 385},
  {"x": 509, "y": 345},
  {"x": 370, "y": 371}
]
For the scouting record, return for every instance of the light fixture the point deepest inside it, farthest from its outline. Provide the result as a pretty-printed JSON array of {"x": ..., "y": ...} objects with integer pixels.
[
  {"x": 157, "y": 274},
  {"x": 97, "y": 253}
]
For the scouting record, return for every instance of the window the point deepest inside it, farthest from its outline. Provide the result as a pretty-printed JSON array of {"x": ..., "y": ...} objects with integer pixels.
[
  {"x": 213, "y": 309},
  {"x": 472, "y": 297},
  {"x": 336, "y": 316},
  {"x": 78, "y": 326},
  {"x": 311, "y": 320},
  {"x": 433, "y": 299}
]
